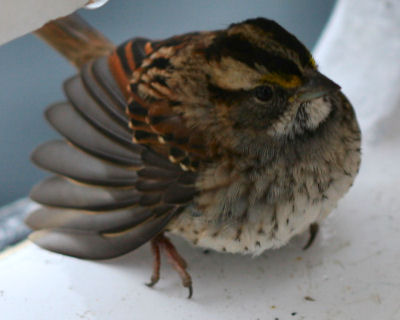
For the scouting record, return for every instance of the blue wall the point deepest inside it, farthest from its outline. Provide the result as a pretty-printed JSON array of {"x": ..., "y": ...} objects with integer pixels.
[{"x": 31, "y": 74}]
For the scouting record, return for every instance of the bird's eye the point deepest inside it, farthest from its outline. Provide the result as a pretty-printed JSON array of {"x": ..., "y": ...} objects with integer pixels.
[{"x": 263, "y": 93}]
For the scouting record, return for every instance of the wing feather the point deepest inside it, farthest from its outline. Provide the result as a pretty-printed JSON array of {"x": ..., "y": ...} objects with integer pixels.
[
  {"x": 98, "y": 246},
  {"x": 61, "y": 158},
  {"x": 103, "y": 221},
  {"x": 117, "y": 184},
  {"x": 95, "y": 115},
  {"x": 69, "y": 123},
  {"x": 63, "y": 193}
]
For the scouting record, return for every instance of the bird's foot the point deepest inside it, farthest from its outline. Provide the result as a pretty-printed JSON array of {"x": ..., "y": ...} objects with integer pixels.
[{"x": 159, "y": 243}]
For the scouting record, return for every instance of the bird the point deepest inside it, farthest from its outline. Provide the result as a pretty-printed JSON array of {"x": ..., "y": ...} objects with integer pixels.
[{"x": 231, "y": 139}]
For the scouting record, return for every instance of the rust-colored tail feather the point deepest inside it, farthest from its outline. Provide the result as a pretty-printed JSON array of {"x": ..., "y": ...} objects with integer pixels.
[{"x": 75, "y": 39}]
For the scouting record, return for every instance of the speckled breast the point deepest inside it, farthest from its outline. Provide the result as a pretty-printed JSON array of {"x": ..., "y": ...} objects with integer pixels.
[{"x": 250, "y": 212}]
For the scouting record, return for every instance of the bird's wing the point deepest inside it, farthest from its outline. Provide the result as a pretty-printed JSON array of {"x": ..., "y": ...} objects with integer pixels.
[
  {"x": 141, "y": 68},
  {"x": 111, "y": 193}
]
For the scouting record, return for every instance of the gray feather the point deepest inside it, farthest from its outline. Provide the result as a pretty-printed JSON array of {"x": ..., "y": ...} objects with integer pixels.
[
  {"x": 103, "y": 75},
  {"x": 61, "y": 158},
  {"x": 92, "y": 245},
  {"x": 72, "y": 126},
  {"x": 59, "y": 192},
  {"x": 103, "y": 221},
  {"x": 102, "y": 96},
  {"x": 93, "y": 113}
]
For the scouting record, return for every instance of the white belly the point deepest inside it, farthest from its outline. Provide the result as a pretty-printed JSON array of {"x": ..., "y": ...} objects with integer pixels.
[{"x": 265, "y": 226}]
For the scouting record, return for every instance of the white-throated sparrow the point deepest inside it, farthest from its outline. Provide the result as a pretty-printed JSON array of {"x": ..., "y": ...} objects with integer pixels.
[{"x": 239, "y": 143}]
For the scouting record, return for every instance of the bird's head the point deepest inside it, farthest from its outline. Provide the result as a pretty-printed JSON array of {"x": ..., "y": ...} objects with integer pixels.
[{"x": 253, "y": 79}]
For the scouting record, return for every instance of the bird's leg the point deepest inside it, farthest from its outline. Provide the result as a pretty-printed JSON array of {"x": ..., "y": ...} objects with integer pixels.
[
  {"x": 155, "y": 249},
  {"x": 314, "y": 228},
  {"x": 178, "y": 263}
]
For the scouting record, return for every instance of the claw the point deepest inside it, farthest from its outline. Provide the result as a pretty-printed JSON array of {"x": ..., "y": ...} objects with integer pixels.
[
  {"x": 152, "y": 282},
  {"x": 190, "y": 291},
  {"x": 174, "y": 258},
  {"x": 314, "y": 228},
  {"x": 155, "y": 249}
]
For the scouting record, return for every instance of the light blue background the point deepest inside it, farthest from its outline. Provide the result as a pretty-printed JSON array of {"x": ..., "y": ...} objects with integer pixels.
[{"x": 31, "y": 74}]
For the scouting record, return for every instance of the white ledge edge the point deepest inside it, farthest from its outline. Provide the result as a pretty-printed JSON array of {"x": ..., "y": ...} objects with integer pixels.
[{"x": 18, "y": 18}]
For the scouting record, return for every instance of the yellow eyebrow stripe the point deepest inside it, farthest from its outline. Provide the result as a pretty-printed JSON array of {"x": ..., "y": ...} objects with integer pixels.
[{"x": 287, "y": 82}]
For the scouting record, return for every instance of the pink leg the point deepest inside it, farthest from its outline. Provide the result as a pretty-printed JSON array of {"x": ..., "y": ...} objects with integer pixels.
[
  {"x": 177, "y": 262},
  {"x": 155, "y": 249}
]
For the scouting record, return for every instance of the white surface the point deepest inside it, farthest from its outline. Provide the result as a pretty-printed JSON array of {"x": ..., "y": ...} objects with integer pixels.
[
  {"x": 18, "y": 17},
  {"x": 352, "y": 270},
  {"x": 361, "y": 51}
]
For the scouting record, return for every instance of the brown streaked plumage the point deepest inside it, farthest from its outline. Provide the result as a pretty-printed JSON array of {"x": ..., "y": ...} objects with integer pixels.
[{"x": 231, "y": 139}]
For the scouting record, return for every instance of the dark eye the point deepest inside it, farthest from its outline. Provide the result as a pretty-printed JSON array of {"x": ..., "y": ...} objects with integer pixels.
[{"x": 263, "y": 93}]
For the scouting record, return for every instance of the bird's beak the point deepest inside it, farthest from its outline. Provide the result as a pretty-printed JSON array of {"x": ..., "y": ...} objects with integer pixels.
[{"x": 316, "y": 86}]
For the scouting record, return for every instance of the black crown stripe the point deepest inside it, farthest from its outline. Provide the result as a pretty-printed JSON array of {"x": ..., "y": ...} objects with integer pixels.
[
  {"x": 283, "y": 37},
  {"x": 239, "y": 48}
]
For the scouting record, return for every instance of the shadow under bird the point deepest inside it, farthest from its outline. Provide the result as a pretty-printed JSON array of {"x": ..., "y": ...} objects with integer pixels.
[{"x": 231, "y": 139}]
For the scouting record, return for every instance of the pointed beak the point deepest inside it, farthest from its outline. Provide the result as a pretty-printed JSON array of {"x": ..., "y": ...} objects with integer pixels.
[{"x": 316, "y": 86}]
